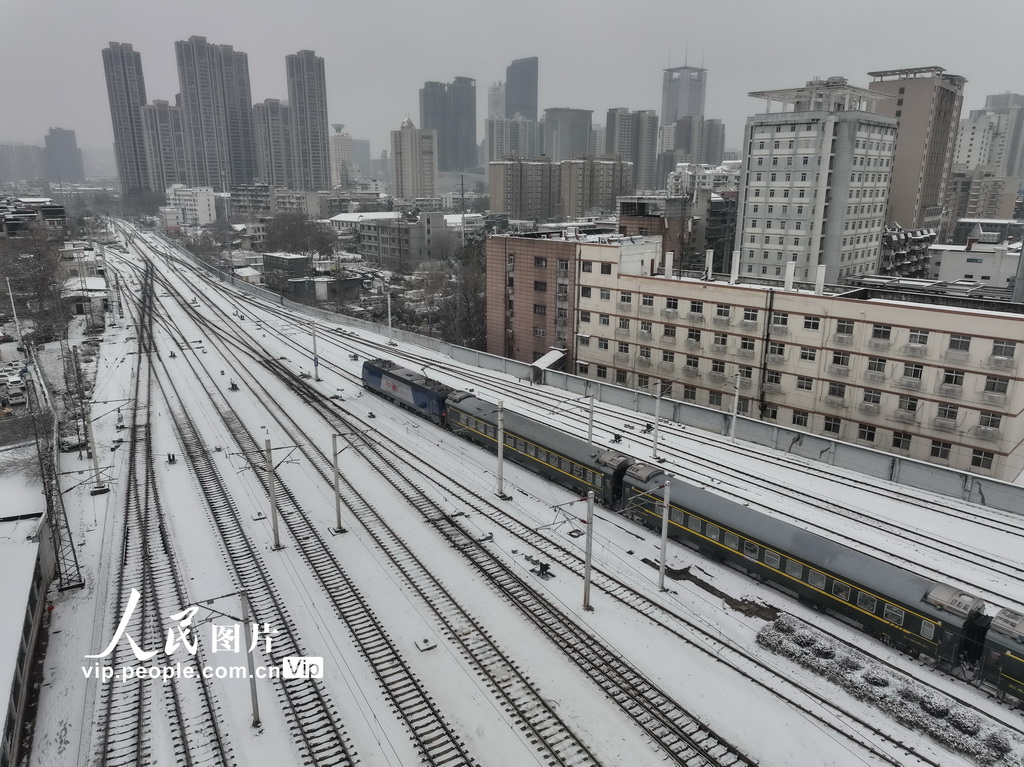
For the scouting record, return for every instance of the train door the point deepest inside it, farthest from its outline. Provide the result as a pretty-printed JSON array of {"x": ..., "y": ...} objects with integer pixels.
[{"x": 617, "y": 485}]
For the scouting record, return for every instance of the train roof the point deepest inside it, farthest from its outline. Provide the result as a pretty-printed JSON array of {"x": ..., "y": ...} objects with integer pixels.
[
  {"x": 395, "y": 370},
  {"x": 541, "y": 434},
  {"x": 874, "y": 574}
]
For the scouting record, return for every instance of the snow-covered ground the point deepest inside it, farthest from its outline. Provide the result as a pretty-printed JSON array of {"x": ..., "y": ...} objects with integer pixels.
[{"x": 773, "y": 732}]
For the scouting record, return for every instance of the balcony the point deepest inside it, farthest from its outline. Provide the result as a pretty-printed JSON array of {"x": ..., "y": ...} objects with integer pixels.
[
  {"x": 644, "y": 362},
  {"x": 915, "y": 350},
  {"x": 621, "y": 358},
  {"x": 839, "y": 370},
  {"x": 748, "y": 324},
  {"x": 670, "y": 313},
  {"x": 645, "y": 309},
  {"x": 843, "y": 339},
  {"x": 776, "y": 359},
  {"x": 874, "y": 375},
  {"x": 987, "y": 432},
  {"x": 871, "y": 408},
  {"x": 721, "y": 321},
  {"x": 994, "y": 398},
  {"x": 719, "y": 348},
  {"x": 624, "y": 307},
  {"x": 879, "y": 343},
  {"x": 716, "y": 376},
  {"x": 1002, "y": 363},
  {"x": 741, "y": 352},
  {"x": 906, "y": 416},
  {"x": 644, "y": 335},
  {"x": 908, "y": 382},
  {"x": 690, "y": 371},
  {"x": 772, "y": 388},
  {"x": 668, "y": 340},
  {"x": 666, "y": 367},
  {"x": 622, "y": 332},
  {"x": 778, "y": 330},
  {"x": 692, "y": 343},
  {"x": 957, "y": 355},
  {"x": 695, "y": 317},
  {"x": 946, "y": 424},
  {"x": 835, "y": 401},
  {"x": 951, "y": 390}
]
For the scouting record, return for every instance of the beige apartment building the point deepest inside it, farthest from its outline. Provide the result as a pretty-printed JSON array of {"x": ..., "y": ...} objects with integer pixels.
[{"x": 935, "y": 380}]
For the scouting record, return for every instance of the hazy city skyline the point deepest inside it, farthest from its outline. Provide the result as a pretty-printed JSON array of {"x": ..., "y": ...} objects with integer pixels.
[{"x": 378, "y": 57}]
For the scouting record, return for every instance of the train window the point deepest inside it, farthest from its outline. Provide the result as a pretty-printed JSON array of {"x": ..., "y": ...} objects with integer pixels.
[
  {"x": 566, "y": 465},
  {"x": 693, "y": 523},
  {"x": 893, "y": 615},
  {"x": 712, "y": 532},
  {"x": 577, "y": 470},
  {"x": 794, "y": 568},
  {"x": 520, "y": 445},
  {"x": 590, "y": 477},
  {"x": 531, "y": 450},
  {"x": 816, "y": 579},
  {"x": 771, "y": 558},
  {"x": 599, "y": 483},
  {"x": 510, "y": 441},
  {"x": 841, "y": 590},
  {"x": 927, "y": 629},
  {"x": 866, "y": 602},
  {"x": 732, "y": 541},
  {"x": 750, "y": 550},
  {"x": 542, "y": 454}
]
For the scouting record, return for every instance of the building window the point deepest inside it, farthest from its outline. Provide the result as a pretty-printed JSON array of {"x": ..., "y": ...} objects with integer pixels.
[
  {"x": 844, "y": 327},
  {"x": 811, "y": 323},
  {"x": 690, "y": 393},
  {"x": 540, "y": 287},
  {"x": 1003, "y": 348},
  {"x": 990, "y": 420},
  {"x": 833, "y": 424},
  {"x": 876, "y": 364},
  {"x": 584, "y": 316},
  {"x": 959, "y": 343},
  {"x": 642, "y": 382},
  {"x": 872, "y": 396},
  {"x": 918, "y": 336},
  {"x": 606, "y": 268},
  {"x": 800, "y": 417},
  {"x": 623, "y": 347},
  {"x": 724, "y": 310},
  {"x": 539, "y": 332},
  {"x": 606, "y": 295},
  {"x": 621, "y": 377},
  {"x": 587, "y": 266},
  {"x": 750, "y": 315},
  {"x": 697, "y": 307},
  {"x": 717, "y": 366},
  {"x": 540, "y": 263},
  {"x": 715, "y": 399},
  {"x": 693, "y": 334},
  {"x": 953, "y": 377},
  {"x": 841, "y": 358},
  {"x": 996, "y": 384},
  {"x": 881, "y": 332},
  {"x": 948, "y": 411},
  {"x": 668, "y": 357},
  {"x": 913, "y": 370},
  {"x": 776, "y": 348},
  {"x": 866, "y": 432},
  {"x": 745, "y": 371},
  {"x": 982, "y": 459},
  {"x": 672, "y": 303},
  {"x": 901, "y": 440},
  {"x": 773, "y": 377},
  {"x": 647, "y": 300},
  {"x": 805, "y": 383},
  {"x": 669, "y": 331},
  {"x": 604, "y": 319},
  {"x": 646, "y": 326},
  {"x": 747, "y": 344},
  {"x": 808, "y": 353},
  {"x": 602, "y": 343},
  {"x": 941, "y": 449},
  {"x": 645, "y": 352},
  {"x": 836, "y": 389},
  {"x": 584, "y": 340},
  {"x": 780, "y": 319},
  {"x": 602, "y": 371},
  {"x": 540, "y": 309},
  {"x": 692, "y": 361},
  {"x": 623, "y": 323},
  {"x": 585, "y": 292},
  {"x": 563, "y": 264},
  {"x": 625, "y": 298},
  {"x": 908, "y": 403}
]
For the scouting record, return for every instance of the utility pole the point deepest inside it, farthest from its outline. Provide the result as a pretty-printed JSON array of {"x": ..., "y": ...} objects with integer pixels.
[
  {"x": 664, "y": 535},
  {"x": 500, "y": 491},
  {"x": 586, "y": 559},
  {"x": 273, "y": 496},
  {"x": 316, "y": 359},
  {"x": 100, "y": 488},
  {"x": 657, "y": 421},
  {"x": 248, "y": 654},
  {"x": 590, "y": 422},
  {"x": 337, "y": 488}
]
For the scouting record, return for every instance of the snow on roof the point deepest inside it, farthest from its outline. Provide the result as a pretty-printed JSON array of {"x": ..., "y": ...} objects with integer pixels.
[
  {"x": 246, "y": 271},
  {"x": 354, "y": 218},
  {"x": 85, "y": 284}
]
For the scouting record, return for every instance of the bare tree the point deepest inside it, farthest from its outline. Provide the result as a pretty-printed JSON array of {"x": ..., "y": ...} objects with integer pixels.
[
  {"x": 31, "y": 261},
  {"x": 298, "y": 233}
]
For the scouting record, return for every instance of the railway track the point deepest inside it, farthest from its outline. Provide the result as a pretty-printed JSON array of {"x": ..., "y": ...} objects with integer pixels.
[{"x": 149, "y": 580}]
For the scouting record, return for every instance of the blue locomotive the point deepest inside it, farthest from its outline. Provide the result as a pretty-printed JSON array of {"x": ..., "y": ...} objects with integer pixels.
[{"x": 916, "y": 614}]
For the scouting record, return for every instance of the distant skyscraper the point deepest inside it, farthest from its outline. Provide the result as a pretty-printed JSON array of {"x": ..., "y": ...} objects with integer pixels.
[
  {"x": 566, "y": 132},
  {"x": 511, "y": 138},
  {"x": 994, "y": 135},
  {"x": 341, "y": 157},
  {"x": 927, "y": 103},
  {"x": 217, "y": 108},
  {"x": 21, "y": 163},
  {"x": 714, "y": 142},
  {"x": 63, "y": 157},
  {"x": 521, "y": 88},
  {"x": 164, "y": 138},
  {"x": 633, "y": 136},
  {"x": 126, "y": 91},
  {"x": 307, "y": 98},
  {"x": 450, "y": 110},
  {"x": 496, "y": 100},
  {"x": 821, "y": 137},
  {"x": 414, "y": 161},
  {"x": 272, "y": 127},
  {"x": 682, "y": 93}
]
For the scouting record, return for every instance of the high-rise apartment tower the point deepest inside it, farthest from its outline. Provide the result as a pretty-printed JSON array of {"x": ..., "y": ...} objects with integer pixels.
[{"x": 126, "y": 91}]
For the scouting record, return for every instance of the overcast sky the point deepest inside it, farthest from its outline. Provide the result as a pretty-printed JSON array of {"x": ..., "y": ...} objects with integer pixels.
[{"x": 593, "y": 55}]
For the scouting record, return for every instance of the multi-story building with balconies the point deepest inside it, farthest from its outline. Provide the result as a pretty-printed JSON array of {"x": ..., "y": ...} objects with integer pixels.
[{"x": 931, "y": 377}]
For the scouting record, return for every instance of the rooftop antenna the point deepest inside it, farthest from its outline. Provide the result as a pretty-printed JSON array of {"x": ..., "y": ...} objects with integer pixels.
[{"x": 702, "y": 50}]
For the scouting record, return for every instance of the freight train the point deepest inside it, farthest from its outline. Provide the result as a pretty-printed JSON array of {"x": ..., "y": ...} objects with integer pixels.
[{"x": 916, "y": 614}]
